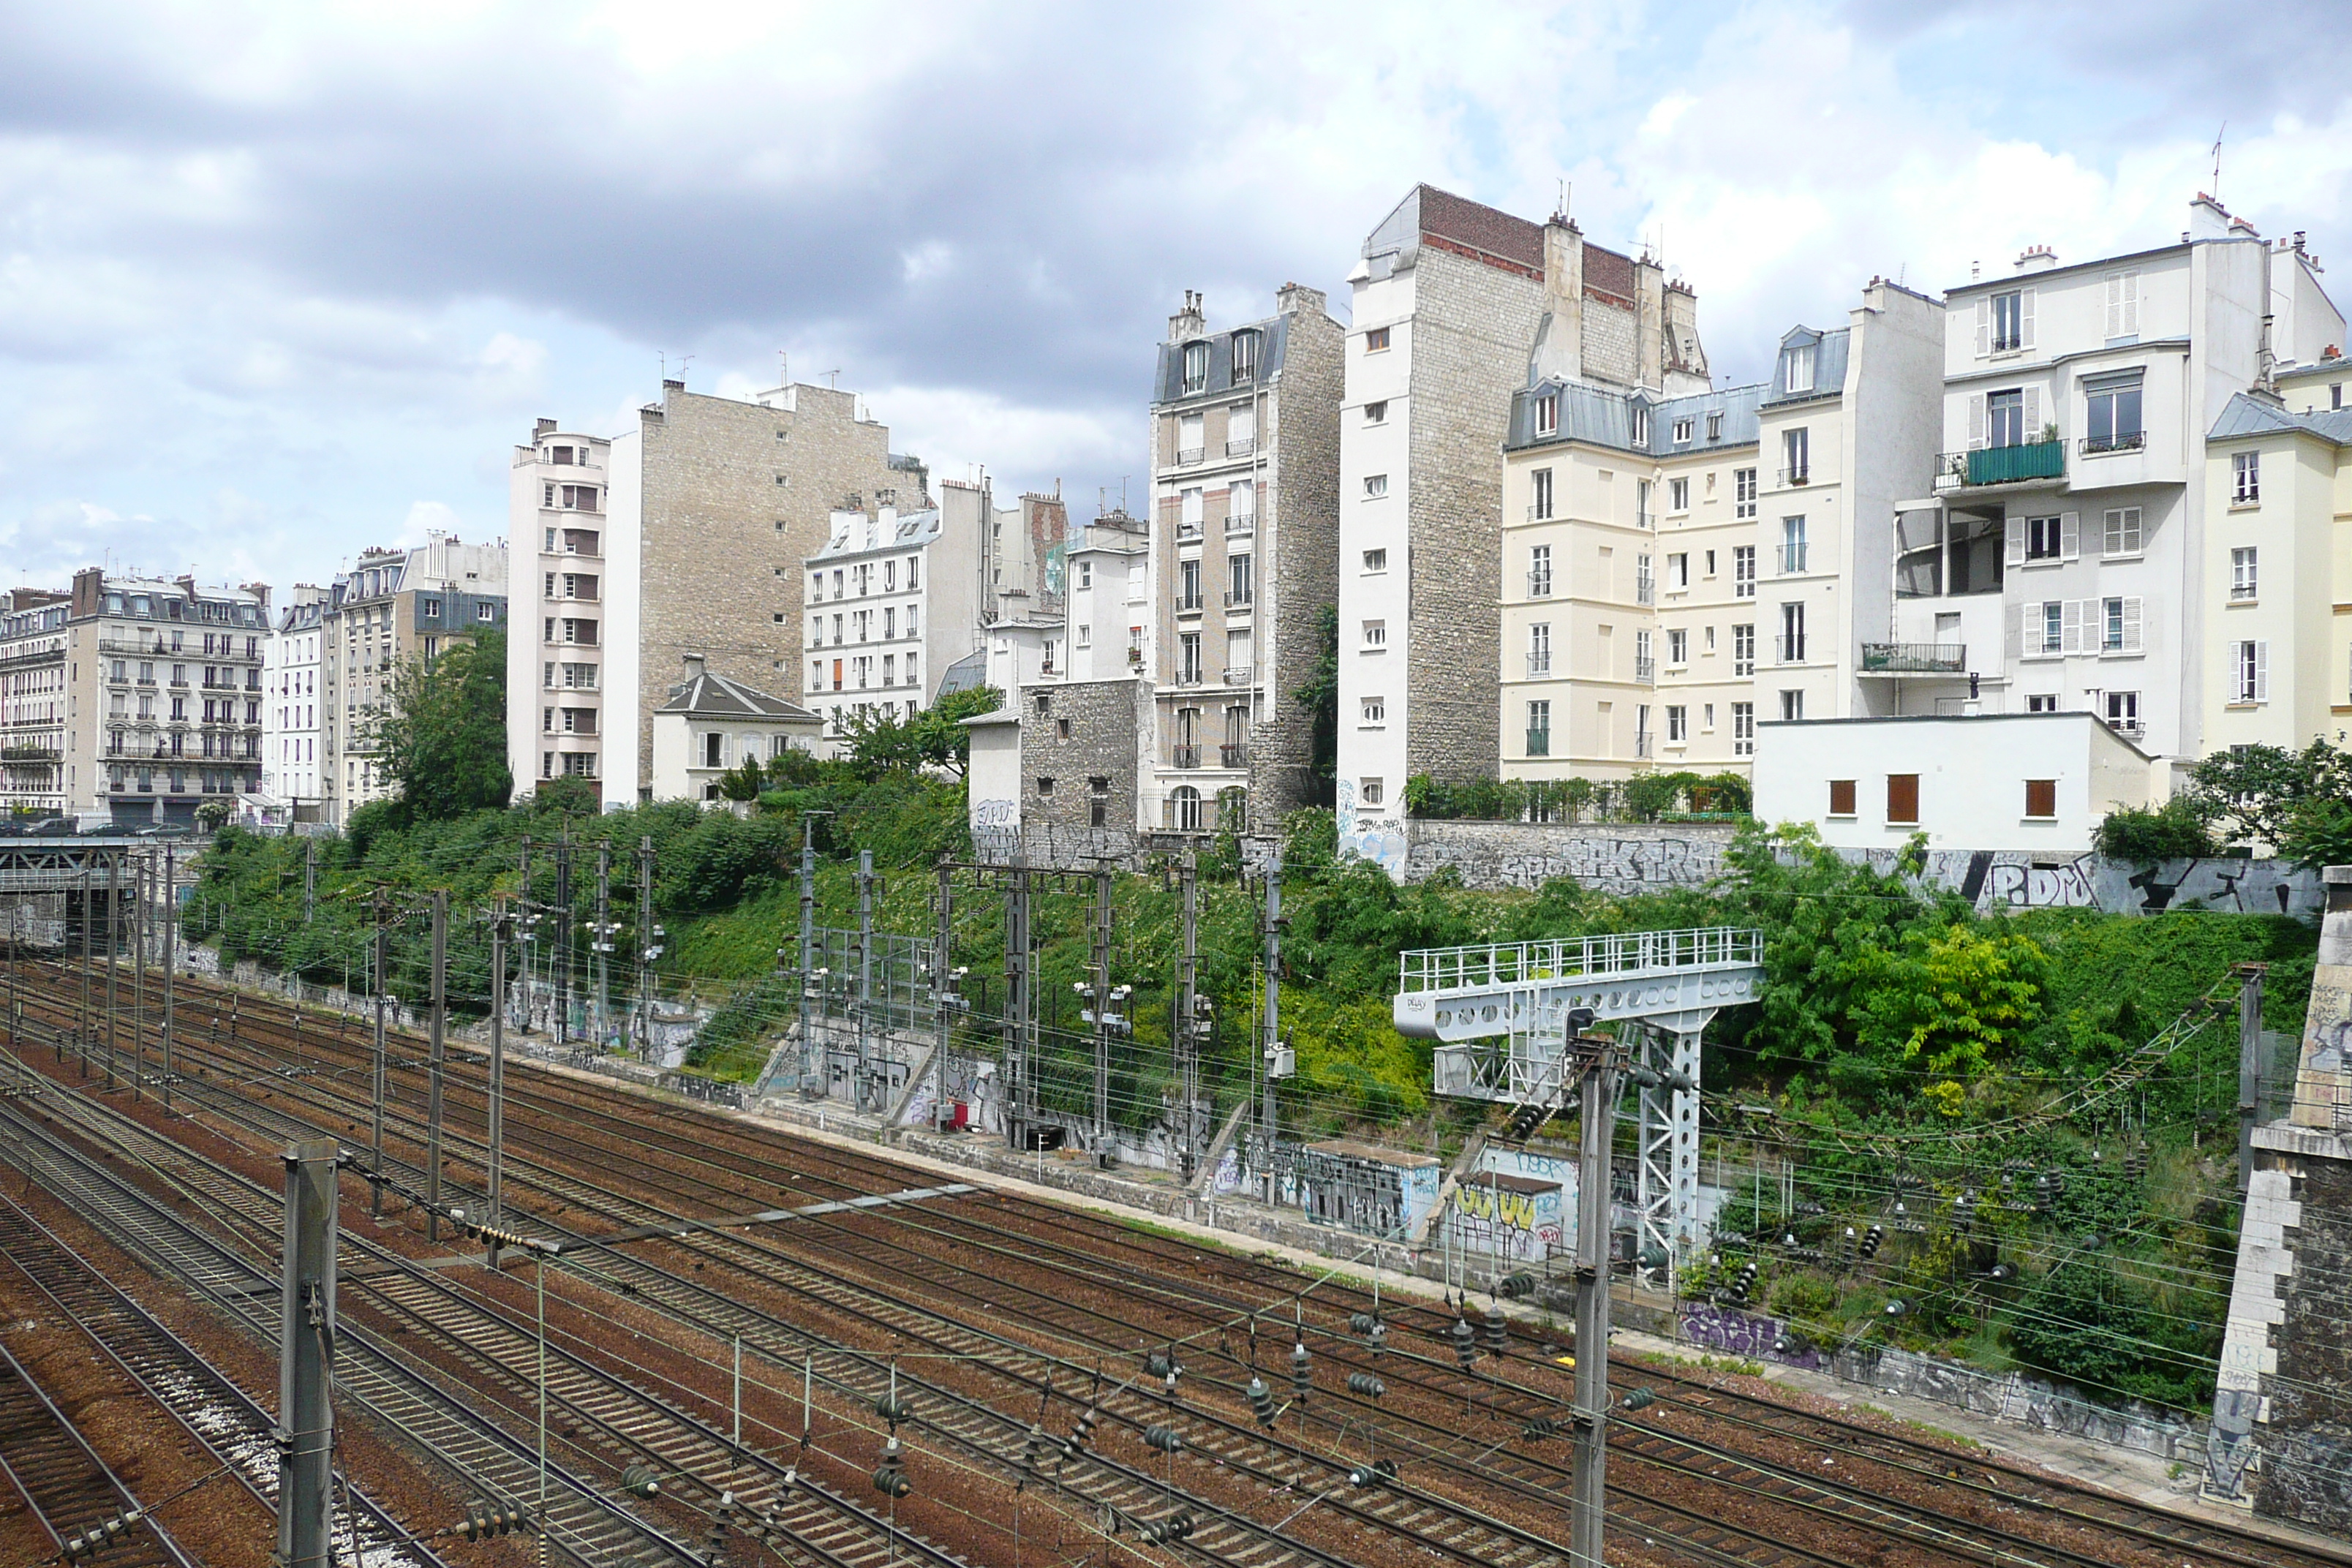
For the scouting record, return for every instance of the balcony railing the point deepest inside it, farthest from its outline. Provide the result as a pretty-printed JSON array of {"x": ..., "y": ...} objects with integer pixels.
[
  {"x": 1538, "y": 512},
  {"x": 1187, "y": 756},
  {"x": 1240, "y": 599},
  {"x": 1539, "y": 584},
  {"x": 1915, "y": 658},
  {"x": 1798, "y": 476},
  {"x": 1539, "y": 666},
  {"x": 1190, "y": 528},
  {"x": 1645, "y": 590},
  {"x": 1792, "y": 559},
  {"x": 2243, "y": 591},
  {"x": 1188, "y": 678},
  {"x": 1539, "y": 742},
  {"x": 1243, "y": 523},
  {"x": 1187, "y": 456},
  {"x": 1188, "y": 604},
  {"x": 2121, "y": 441},
  {"x": 1234, "y": 755},
  {"x": 2004, "y": 465},
  {"x": 1241, "y": 675},
  {"x": 1241, "y": 449},
  {"x": 1642, "y": 743},
  {"x": 1790, "y": 649},
  {"x": 1646, "y": 671}
]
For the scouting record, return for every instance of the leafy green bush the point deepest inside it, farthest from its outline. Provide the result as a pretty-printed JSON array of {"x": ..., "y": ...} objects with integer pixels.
[{"x": 2174, "y": 830}]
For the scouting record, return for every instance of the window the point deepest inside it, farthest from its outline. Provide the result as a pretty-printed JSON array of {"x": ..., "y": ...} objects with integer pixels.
[
  {"x": 1793, "y": 545},
  {"x": 1376, "y": 635},
  {"x": 2122, "y": 533},
  {"x": 2053, "y": 625},
  {"x": 1714, "y": 428},
  {"x": 914, "y": 574},
  {"x": 1677, "y": 646},
  {"x": 2113, "y": 417},
  {"x": 1377, "y": 412},
  {"x": 1375, "y": 486},
  {"x": 1547, "y": 415},
  {"x": 1376, "y": 339},
  {"x": 2042, "y": 799},
  {"x": 1241, "y": 508},
  {"x": 1188, "y": 658},
  {"x": 1189, "y": 438},
  {"x": 1796, "y": 454},
  {"x": 1538, "y": 650},
  {"x": 1376, "y": 559},
  {"x": 1645, "y": 586},
  {"x": 1678, "y": 490},
  {"x": 2118, "y": 624},
  {"x": 1678, "y": 570},
  {"x": 1539, "y": 571},
  {"x": 2043, "y": 540},
  {"x": 1539, "y": 729},
  {"x": 2008, "y": 313},
  {"x": 1540, "y": 508},
  {"x": 2041, "y": 704},
  {"x": 1682, "y": 432},
  {"x": 1242, "y": 589},
  {"x": 1244, "y": 356},
  {"x": 1371, "y": 792},
  {"x": 1640, "y": 425},
  {"x": 1791, "y": 648},
  {"x": 713, "y": 745},
  {"x": 1375, "y": 712},
  {"x": 2123, "y": 711},
  {"x": 1743, "y": 650},
  {"x": 1196, "y": 368},
  {"x": 1743, "y": 492},
  {"x": 1902, "y": 798},
  {"x": 2246, "y": 479},
  {"x": 1188, "y": 585},
  {"x": 1097, "y": 802},
  {"x": 1798, "y": 368},
  {"x": 1045, "y": 786},
  {"x": 1061, "y": 728},
  {"x": 2006, "y": 419},
  {"x": 2123, "y": 304},
  {"x": 2251, "y": 671},
  {"x": 1187, "y": 513},
  {"x": 1677, "y": 724},
  {"x": 1792, "y": 706},
  {"x": 2241, "y": 572},
  {"x": 1086, "y": 636},
  {"x": 1842, "y": 796}
]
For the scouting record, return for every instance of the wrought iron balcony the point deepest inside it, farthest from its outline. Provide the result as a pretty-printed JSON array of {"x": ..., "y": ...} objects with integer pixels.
[
  {"x": 1187, "y": 756},
  {"x": 1234, "y": 755},
  {"x": 1539, "y": 742},
  {"x": 1539, "y": 667},
  {"x": 1792, "y": 559},
  {"x": 1915, "y": 658},
  {"x": 1646, "y": 671},
  {"x": 1243, "y": 447},
  {"x": 1240, "y": 599},
  {"x": 1790, "y": 649},
  {"x": 2121, "y": 441}
]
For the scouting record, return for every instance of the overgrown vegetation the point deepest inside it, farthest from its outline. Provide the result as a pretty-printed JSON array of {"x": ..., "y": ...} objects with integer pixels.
[
  {"x": 1644, "y": 797},
  {"x": 2249, "y": 799}
]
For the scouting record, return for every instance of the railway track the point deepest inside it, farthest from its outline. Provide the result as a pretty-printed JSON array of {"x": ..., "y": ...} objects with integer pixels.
[
  {"x": 1160, "y": 1271},
  {"x": 69, "y": 1489}
]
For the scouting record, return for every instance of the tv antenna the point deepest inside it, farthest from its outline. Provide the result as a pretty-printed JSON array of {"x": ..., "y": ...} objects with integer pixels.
[{"x": 2217, "y": 162}]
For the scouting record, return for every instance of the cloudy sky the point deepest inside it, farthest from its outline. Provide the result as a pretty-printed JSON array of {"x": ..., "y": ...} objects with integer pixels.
[{"x": 278, "y": 282}]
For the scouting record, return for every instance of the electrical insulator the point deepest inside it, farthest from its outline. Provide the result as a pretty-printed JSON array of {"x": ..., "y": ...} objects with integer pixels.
[
  {"x": 1302, "y": 1373},
  {"x": 1495, "y": 1331},
  {"x": 1161, "y": 1365},
  {"x": 482, "y": 1522},
  {"x": 1465, "y": 1344},
  {"x": 1034, "y": 1449},
  {"x": 1639, "y": 1399},
  {"x": 1516, "y": 1287},
  {"x": 1871, "y": 1240},
  {"x": 87, "y": 1544},
  {"x": 1261, "y": 1400},
  {"x": 1163, "y": 1439},
  {"x": 1175, "y": 1527},
  {"x": 1083, "y": 1433},
  {"x": 1375, "y": 1332},
  {"x": 1846, "y": 1246},
  {"x": 1536, "y": 1430},
  {"x": 1373, "y": 1474},
  {"x": 1365, "y": 1383},
  {"x": 640, "y": 1480},
  {"x": 891, "y": 1480},
  {"x": 894, "y": 1408}
]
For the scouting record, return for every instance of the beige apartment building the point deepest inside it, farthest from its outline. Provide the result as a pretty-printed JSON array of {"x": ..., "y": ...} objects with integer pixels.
[
  {"x": 687, "y": 534},
  {"x": 33, "y": 672}
]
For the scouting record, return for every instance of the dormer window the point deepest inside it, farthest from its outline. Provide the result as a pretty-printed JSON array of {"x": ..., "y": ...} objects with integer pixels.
[
  {"x": 1547, "y": 415},
  {"x": 1682, "y": 432},
  {"x": 1640, "y": 425},
  {"x": 1245, "y": 357},
  {"x": 1715, "y": 426},
  {"x": 1798, "y": 368},
  {"x": 1196, "y": 368}
]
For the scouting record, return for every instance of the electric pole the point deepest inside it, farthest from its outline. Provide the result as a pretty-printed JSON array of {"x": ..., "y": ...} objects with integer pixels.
[
  {"x": 1104, "y": 1018},
  {"x": 648, "y": 948},
  {"x": 144, "y": 879},
  {"x": 865, "y": 960},
  {"x": 1275, "y": 1068},
  {"x": 171, "y": 931},
  {"x": 497, "y": 1135},
  {"x": 561, "y": 958},
  {"x": 529, "y": 934},
  {"x": 604, "y": 943},
  {"x": 305, "y": 1317},
  {"x": 113, "y": 940},
  {"x": 1019, "y": 1005},
  {"x": 943, "y": 997},
  {"x": 2250, "y": 1068},
  {"x": 433, "y": 1093},
  {"x": 1592, "y": 1408},
  {"x": 1191, "y": 1027},
  {"x": 383, "y": 974},
  {"x": 309, "y": 881}
]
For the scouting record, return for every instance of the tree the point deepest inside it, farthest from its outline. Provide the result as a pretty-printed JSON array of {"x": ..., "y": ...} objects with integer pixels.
[
  {"x": 1321, "y": 697},
  {"x": 743, "y": 782},
  {"x": 443, "y": 744},
  {"x": 933, "y": 737},
  {"x": 2173, "y": 831}
]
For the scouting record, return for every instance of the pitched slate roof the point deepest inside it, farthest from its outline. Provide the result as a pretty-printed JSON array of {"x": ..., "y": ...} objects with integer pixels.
[
  {"x": 708, "y": 696},
  {"x": 2244, "y": 415}
]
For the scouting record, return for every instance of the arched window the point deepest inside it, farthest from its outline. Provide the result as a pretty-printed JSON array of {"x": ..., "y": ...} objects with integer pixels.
[{"x": 1184, "y": 809}]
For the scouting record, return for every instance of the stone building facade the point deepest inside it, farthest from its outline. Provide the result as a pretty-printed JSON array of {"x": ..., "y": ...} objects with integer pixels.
[
  {"x": 709, "y": 509},
  {"x": 1244, "y": 539},
  {"x": 33, "y": 702},
  {"x": 1080, "y": 756}
]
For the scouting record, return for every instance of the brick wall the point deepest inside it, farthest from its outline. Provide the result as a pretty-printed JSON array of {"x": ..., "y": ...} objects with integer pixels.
[
  {"x": 1298, "y": 560},
  {"x": 1472, "y": 328},
  {"x": 718, "y": 526},
  {"x": 1609, "y": 349}
]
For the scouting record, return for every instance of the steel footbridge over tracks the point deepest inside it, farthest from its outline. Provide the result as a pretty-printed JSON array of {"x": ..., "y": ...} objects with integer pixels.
[{"x": 1501, "y": 1013}]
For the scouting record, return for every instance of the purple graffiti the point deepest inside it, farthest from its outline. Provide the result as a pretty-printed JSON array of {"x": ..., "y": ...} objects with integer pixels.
[{"x": 1730, "y": 1332}]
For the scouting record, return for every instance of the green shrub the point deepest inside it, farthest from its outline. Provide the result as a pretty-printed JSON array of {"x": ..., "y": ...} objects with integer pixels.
[{"x": 2174, "y": 830}]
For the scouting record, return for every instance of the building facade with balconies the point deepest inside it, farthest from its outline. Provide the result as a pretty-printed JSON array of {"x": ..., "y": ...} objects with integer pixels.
[
  {"x": 164, "y": 696},
  {"x": 1242, "y": 556},
  {"x": 2067, "y": 541},
  {"x": 1457, "y": 307},
  {"x": 891, "y": 601},
  {"x": 294, "y": 708},
  {"x": 692, "y": 533},
  {"x": 33, "y": 700}
]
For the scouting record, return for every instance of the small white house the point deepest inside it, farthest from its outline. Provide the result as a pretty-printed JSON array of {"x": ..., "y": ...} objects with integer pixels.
[
  {"x": 992, "y": 782},
  {"x": 710, "y": 724},
  {"x": 2038, "y": 782}
]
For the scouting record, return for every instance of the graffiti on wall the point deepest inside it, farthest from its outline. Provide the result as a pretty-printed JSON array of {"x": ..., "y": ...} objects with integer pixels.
[
  {"x": 1727, "y": 1331},
  {"x": 1380, "y": 839}
]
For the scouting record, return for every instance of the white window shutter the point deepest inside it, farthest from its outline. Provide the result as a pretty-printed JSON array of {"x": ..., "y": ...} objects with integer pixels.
[
  {"x": 2129, "y": 305},
  {"x": 2070, "y": 535},
  {"x": 2071, "y": 625},
  {"x": 2025, "y": 318},
  {"x": 2131, "y": 624},
  {"x": 2033, "y": 413},
  {"x": 2114, "y": 307},
  {"x": 1984, "y": 326},
  {"x": 1975, "y": 420},
  {"x": 2012, "y": 635},
  {"x": 2015, "y": 532},
  {"x": 2262, "y": 672}
]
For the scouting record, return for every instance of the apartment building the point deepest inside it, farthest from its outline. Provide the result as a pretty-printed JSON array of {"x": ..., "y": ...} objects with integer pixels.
[
  {"x": 293, "y": 712},
  {"x": 397, "y": 606},
  {"x": 1246, "y": 472},
  {"x": 688, "y": 534},
  {"x": 2065, "y": 558},
  {"x": 33, "y": 700},
  {"x": 163, "y": 696},
  {"x": 1457, "y": 307},
  {"x": 892, "y": 601},
  {"x": 1107, "y": 591}
]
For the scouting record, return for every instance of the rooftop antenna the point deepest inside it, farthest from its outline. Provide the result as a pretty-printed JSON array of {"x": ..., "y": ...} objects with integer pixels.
[
  {"x": 833, "y": 378},
  {"x": 683, "y": 364},
  {"x": 2217, "y": 162},
  {"x": 784, "y": 368}
]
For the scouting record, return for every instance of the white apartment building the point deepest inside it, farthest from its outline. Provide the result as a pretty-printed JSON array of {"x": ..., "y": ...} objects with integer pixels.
[
  {"x": 688, "y": 534},
  {"x": 1108, "y": 598},
  {"x": 890, "y": 602},
  {"x": 2063, "y": 561},
  {"x": 33, "y": 700},
  {"x": 1449, "y": 295},
  {"x": 293, "y": 711}
]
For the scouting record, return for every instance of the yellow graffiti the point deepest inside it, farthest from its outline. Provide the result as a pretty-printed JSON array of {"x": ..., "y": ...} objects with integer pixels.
[{"x": 1517, "y": 1209}]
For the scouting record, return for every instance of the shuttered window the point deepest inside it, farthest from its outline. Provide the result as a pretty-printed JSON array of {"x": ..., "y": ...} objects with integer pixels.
[
  {"x": 1842, "y": 797},
  {"x": 2041, "y": 798},
  {"x": 1903, "y": 797}
]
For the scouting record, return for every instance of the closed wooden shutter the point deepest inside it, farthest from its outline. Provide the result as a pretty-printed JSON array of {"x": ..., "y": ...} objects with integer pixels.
[
  {"x": 1842, "y": 797},
  {"x": 1984, "y": 326},
  {"x": 2013, "y": 538},
  {"x": 2070, "y": 534},
  {"x": 2070, "y": 621},
  {"x": 2025, "y": 319},
  {"x": 2041, "y": 797},
  {"x": 1903, "y": 797},
  {"x": 2131, "y": 624}
]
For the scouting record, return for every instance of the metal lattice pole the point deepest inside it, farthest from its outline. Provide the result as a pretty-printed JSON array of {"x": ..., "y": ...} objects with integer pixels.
[
  {"x": 170, "y": 934},
  {"x": 1190, "y": 1028},
  {"x": 433, "y": 1089},
  {"x": 1592, "y": 1408}
]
